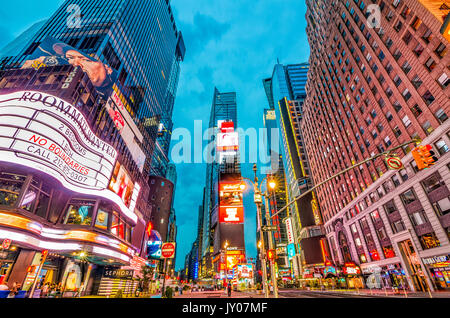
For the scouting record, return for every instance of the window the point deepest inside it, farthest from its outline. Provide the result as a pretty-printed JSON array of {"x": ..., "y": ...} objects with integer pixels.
[
  {"x": 37, "y": 198},
  {"x": 430, "y": 64},
  {"x": 381, "y": 233},
  {"x": 408, "y": 197},
  {"x": 406, "y": 121},
  {"x": 395, "y": 180},
  {"x": 406, "y": 67},
  {"x": 418, "y": 49},
  {"x": 433, "y": 182},
  {"x": 387, "y": 141},
  {"x": 388, "y": 251},
  {"x": 444, "y": 80},
  {"x": 416, "y": 23},
  {"x": 79, "y": 212},
  {"x": 390, "y": 207},
  {"x": 427, "y": 36},
  {"x": 441, "y": 147},
  {"x": 416, "y": 110},
  {"x": 397, "y": 80},
  {"x": 389, "y": 116},
  {"x": 418, "y": 218},
  {"x": 428, "y": 97},
  {"x": 10, "y": 187},
  {"x": 441, "y": 50},
  {"x": 427, "y": 127},
  {"x": 117, "y": 226},
  {"x": 387, "y": 186},
  {"x": 380, "y": 192},
  {"x": 429, "y": 241},
  {"x": 407, "y": 37},
  {"x": 406, "y": 94},
  {"x": 375, "y": 216},
  {"x": 397, "y": 131},
  {"x": 403, "y": 174},
  {"x": 416, "y": 81},
  {"x": 101, "y": 220},
  {"x": 398, "y": 226}
]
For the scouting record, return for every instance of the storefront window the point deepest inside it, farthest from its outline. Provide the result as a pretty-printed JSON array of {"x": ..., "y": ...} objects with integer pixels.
[
  {"x": 79, "y": 212},
  {"x": 10, "y": 186},
  {"x": 363, "y": 258},
  {"x": 429, "y": 241}
]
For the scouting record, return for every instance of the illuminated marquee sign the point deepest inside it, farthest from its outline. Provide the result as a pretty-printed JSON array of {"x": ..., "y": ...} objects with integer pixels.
[
  {"x": 45, "y": 133},
  {"x": 231, "y": 209},
  {"x": 289, "y": 230}
]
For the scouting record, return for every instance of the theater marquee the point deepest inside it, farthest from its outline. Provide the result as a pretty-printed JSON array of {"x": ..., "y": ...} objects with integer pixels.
[{"x": 43, "y": 132}]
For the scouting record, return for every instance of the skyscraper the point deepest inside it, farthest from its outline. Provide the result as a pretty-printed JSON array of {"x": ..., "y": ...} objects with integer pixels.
[
  {"x": 223, "y": 206},
  {"x": 302, "y": 219},
  {"x": 375, "y": 84}
]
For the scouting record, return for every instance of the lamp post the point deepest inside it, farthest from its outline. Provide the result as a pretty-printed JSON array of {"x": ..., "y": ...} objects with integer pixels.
[{"x": 261, "y": 245}]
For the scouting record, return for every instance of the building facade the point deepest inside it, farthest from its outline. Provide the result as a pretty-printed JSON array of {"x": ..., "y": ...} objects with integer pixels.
[
  {"x": 305, "y": 235},
  {"x": 374, "y": 85},
  {"x": 77, "y": 145}
]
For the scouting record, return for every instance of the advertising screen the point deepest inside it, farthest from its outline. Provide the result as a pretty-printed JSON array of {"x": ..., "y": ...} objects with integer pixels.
[
  {"x": 231, "y": 208},
  {"x": 44, "y": 132},
  {"x": 233, "y": 258},
  {"x": 245, "y": 271},
  {"x": 154, "y": 245},
  {"x": 228, "y": 142},
  {"x": 53, "y": 52},
  {"x": 117, "y": 108},
  {"x": 121, "y": 184}
]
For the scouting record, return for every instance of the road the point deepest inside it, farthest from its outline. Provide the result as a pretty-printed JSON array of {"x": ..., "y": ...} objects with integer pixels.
[{"x": 296, "y": 293}]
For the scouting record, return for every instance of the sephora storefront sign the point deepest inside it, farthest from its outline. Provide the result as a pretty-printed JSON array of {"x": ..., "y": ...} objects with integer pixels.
[{"x": 44, "y": 132}]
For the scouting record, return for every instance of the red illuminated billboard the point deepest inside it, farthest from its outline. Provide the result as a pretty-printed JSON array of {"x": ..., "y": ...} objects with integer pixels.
[{"x": 231, "y": 208}]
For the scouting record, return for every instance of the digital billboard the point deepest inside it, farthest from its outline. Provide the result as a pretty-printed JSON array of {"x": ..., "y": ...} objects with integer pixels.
[
  {"x": 44, "y": 132},
  {"x": 122, "y": 184},
  {"x": 53, "y": 52},
  {"x": 154, "y": 244},
  {"x": 245, "y": 271},
  {"x": 117, "y": 108},
  {"x": 231, "y": 208},
  {"x": 233, "y": 258}
]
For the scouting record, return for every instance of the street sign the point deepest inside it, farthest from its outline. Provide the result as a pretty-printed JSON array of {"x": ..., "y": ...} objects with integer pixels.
[
  {"x": 258, "y": 198},
  {"x": 266, "y": 228},
  {"x": 6, "y": 243},
  {"x": 168, "y": 250},
  {"x": 394, "y": 163}
]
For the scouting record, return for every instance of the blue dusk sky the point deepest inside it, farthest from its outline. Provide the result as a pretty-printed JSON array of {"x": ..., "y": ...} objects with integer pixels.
[{"x": 231, "y": 45}]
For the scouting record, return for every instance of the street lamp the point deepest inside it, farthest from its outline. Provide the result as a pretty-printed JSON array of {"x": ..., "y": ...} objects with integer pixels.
[{"x": 258, "y": 201}]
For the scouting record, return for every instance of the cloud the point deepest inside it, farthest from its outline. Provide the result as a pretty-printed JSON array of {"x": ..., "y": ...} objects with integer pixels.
[{"x": 203, "y": 30}]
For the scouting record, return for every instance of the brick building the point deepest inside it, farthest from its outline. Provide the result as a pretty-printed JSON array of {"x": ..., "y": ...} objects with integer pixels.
[{"x": 370, "y": 89}]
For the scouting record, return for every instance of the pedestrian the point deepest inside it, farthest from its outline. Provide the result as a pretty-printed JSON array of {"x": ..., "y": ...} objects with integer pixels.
[
  {"x": 14, "y": 290},
  {"x": 44, "y": 290},
  {"x": 229, "y": 289}
]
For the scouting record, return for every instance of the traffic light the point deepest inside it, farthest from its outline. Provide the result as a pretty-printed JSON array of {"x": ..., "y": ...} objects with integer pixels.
[
  {"x": 43, "y": 255},
  {"x": 271, "y": 255},
  {"x": 424, "y": 156}
]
